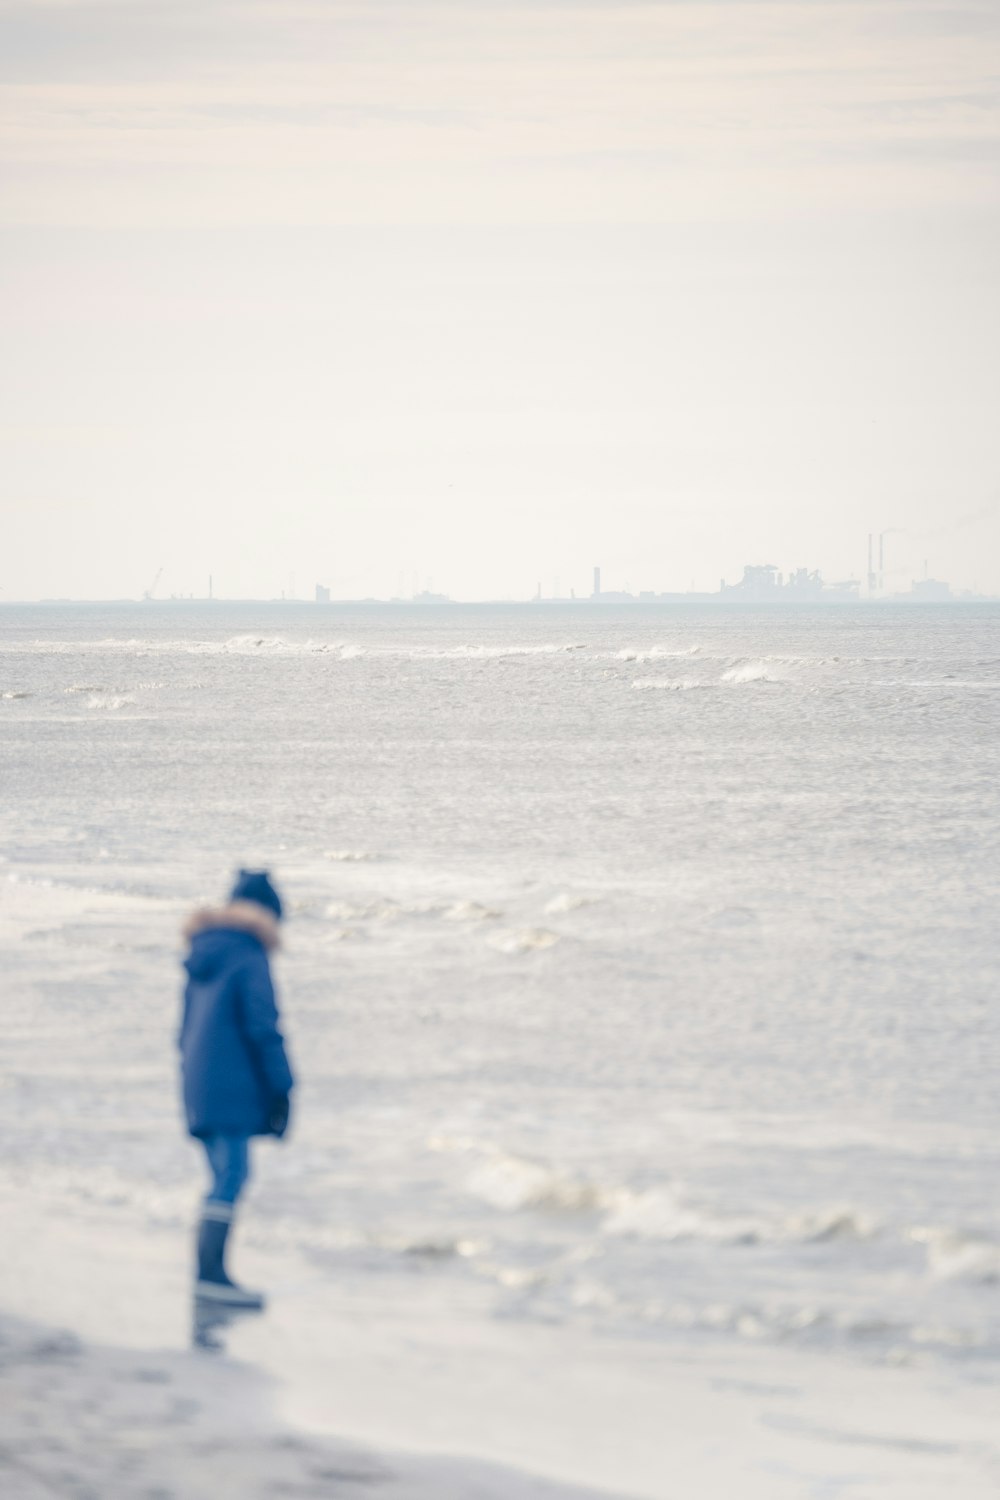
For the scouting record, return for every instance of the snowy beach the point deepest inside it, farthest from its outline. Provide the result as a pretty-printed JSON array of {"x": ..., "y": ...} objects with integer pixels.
[{"x": 641, "y": 979}]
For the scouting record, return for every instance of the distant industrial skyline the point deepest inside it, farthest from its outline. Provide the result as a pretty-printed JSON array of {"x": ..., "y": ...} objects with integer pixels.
[
  {"x": 882, "y": 577},
  {"x": 758, "y": 583}
]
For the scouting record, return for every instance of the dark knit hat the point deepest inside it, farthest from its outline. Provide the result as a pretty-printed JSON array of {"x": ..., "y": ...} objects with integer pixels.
[{"x": 255, "y": 885}]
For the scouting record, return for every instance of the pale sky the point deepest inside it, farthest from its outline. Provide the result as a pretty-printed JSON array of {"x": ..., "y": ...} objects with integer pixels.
[{"x": 483, "y": 293}]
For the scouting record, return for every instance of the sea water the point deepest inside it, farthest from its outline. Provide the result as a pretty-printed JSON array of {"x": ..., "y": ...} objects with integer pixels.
[{"x": 641, "y": 963}]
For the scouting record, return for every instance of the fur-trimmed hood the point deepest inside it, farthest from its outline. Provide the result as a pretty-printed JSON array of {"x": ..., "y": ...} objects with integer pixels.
[{"x": 238, "y": 916}]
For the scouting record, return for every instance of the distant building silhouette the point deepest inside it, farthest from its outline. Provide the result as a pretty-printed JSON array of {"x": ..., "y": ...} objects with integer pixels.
[
  {"x": 763, "y": 584},
  {"x": 930, "y": 591}
]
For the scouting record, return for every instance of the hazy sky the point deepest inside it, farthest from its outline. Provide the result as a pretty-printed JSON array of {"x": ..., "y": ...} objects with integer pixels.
[{"x": 484, "y": 292}]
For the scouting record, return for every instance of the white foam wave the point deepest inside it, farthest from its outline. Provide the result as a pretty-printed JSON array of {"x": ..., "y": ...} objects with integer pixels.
[
  {"x": 944, "y": 683},
  {"x": 753, "y": 1321},
  {"x": 248, "y": 644},
  {"x": 342, "y": 650},
  {"x": 565, "y": 902},
  {"x": 514, "y": 1183},
  {"x": 468, "y": 911},
  {"x": 749, "y": 671},
  {"x": 255, "y": 643},
  {"x": 384, "y": 909},
  {"x": 110, "y": 702},
  {"x": 655, "y": 653},
  {"x": 262, "y": 645},
  {"x": 738, "y": 672},
  {"x": 342, "y": 912},
  {"x": 528, "y": 940},
  {"x": 16, "y": 695},
  {"x": 490, "y": 653},
  {"x": 663, "y": 1213},
  {"x": 351, "y": 856},
  {"x": 955, "y": 1256},
  {"x": 108, "y": 690},
  {"x": 252, "y": 643}
]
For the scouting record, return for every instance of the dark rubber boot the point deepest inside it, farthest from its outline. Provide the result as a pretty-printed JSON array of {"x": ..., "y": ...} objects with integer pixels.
[{"x": 213, "y": 1284}]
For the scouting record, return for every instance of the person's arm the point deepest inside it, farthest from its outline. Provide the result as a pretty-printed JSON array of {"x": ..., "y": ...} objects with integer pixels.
[
  {"x": 184, "y": 1019},
  {"x": 260, "y": 1022}
]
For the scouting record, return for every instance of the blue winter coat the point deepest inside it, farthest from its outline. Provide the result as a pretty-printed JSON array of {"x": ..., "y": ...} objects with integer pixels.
[{"x": 233, "y": 1062}]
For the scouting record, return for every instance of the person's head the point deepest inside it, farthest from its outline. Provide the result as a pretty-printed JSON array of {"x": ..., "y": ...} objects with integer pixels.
[{"x": 255, "y": 885}]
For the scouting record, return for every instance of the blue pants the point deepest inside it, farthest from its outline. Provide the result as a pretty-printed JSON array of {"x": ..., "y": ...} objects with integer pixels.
[{"x": 229, "y": 1164}]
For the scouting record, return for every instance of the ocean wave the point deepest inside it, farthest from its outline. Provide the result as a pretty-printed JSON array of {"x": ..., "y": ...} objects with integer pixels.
[
  {"x": 468, "y": 911},
  {"x": 810, "y": 1324},
  {"x": 749, "y": 671},
  {"x": 739, "y": 672},
  {"x": 946, "y": 683},
  {"x": 670, "y": 684},
  {"x": 371, "y": 1242},
  {"x": 491, "y": 653},
  {"x": 548, "y": 1296},
  {"x": 666, "y": 1213},
  {"x": 385, "y": 909},
  {"x": 370, "y": 911},
  {"x": 253, "y": 643},
  {"x": 113, "y": 690},
  {"x": 351, "y": 856},
  {"x": 558, "y": 1292},
  {"x": 258, "y": 645},
  {"x": 515, "y": 1183},
  {"x": 512, "y": 1182},
  {"x": 527, "y": 940},
  {"x": 655, "y": 653},
  {"x": 110, "y": 702},
  {"x": 249, "y": 644},
  {"x": 16, "y": 695},
  {"x": 663, "y": 1213},
  {"x": 342, "y": 650},
  {"x": 562, "y": 1289},
  {"x": 240, "y": 643},
  {"x": 954, "y": 1255},
  {"x": 565, "y": 902}
]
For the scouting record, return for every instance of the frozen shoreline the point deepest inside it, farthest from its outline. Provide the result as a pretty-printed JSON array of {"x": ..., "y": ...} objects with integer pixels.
[{"x": 478, "y": 1406}]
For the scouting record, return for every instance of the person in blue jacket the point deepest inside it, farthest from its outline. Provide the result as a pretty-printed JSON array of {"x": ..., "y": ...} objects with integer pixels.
[{"x": 235, "y": 1073}]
